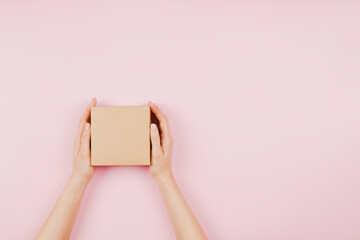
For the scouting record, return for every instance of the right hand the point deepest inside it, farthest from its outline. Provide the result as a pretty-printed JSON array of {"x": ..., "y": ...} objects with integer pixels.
[{"x": 162, "y": 146}]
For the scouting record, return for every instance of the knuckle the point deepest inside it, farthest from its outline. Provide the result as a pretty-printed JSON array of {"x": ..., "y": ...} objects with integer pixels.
[
  {"x": 156, "y": 155},
  {"x": 85, "y": 138},
  {"x": 84, "y": 141},
  {"x": 169, "y": 141},
  {"x": 163, "y": 118},
  {"x": 84, "y": 152},
  {"x": 81, "y": 122}
]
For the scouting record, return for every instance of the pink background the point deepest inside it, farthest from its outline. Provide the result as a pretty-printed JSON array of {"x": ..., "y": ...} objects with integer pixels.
[{"x": 263, "y": 100}]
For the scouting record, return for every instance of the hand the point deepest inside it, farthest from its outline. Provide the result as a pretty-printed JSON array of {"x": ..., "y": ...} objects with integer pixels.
[
  {"x": 183, "y": 220},
  {"x": 161, "y": 152},
  {"x": 82, "y": 168}
]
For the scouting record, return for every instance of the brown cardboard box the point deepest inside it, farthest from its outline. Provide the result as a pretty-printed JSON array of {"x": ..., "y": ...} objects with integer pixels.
[{"x": 120, "y": 136}]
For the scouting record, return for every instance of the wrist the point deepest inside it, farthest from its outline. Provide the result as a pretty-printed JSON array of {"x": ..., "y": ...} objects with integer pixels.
[
  {"x": 75, "y": 188},
  {"x": 79, "y": 180},
  {"x": 163, "y": 178}
]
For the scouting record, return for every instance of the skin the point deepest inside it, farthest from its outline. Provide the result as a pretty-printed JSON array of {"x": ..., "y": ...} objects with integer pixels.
[
  {"x": 183, "y": 220},
  {"x": 60, "y": 222}
]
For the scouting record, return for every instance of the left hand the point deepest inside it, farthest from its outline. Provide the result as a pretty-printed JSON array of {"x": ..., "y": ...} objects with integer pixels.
[
  {"x": 82, "y": 168},
  {"x": 162, "y": 146}
]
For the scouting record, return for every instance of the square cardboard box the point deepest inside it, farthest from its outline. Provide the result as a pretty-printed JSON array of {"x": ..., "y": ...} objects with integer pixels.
[{"x": 120, "y": 135}]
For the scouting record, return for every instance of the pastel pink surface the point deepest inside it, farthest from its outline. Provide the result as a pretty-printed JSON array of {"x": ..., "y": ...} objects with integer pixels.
[{"x": 263, "y": 101}]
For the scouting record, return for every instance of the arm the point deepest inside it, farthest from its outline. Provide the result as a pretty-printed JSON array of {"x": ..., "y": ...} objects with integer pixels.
[
  {"x": 183, "y": 220},
  {"x": 60, "y": 222}
]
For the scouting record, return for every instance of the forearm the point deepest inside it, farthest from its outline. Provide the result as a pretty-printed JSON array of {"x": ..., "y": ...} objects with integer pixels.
[
  {"x": 183, "y": 220},
  {"x": 61, "y": 220}
]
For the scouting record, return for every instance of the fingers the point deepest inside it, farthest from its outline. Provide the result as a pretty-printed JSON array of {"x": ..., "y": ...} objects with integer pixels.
[
  {"x": 164, "y": 124},
  {"x": 85, "y": 140},
  {"x": 82, "y": 122},
  {"x": 155, "y": 142}
]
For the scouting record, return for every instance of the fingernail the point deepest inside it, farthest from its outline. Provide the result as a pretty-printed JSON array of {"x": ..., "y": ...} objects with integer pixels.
[
  {"x": 87, "y": 126},
  {"x": 153, "y": 127}
]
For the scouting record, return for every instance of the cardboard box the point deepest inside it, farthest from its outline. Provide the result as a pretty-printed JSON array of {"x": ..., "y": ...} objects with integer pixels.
[{"x": 120, "y": 136}]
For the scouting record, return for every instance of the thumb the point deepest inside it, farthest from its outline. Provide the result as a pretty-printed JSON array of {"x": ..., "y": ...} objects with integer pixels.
[
  {"x": 155, "y": 141},
  {"x": 85, "y": 140}
]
